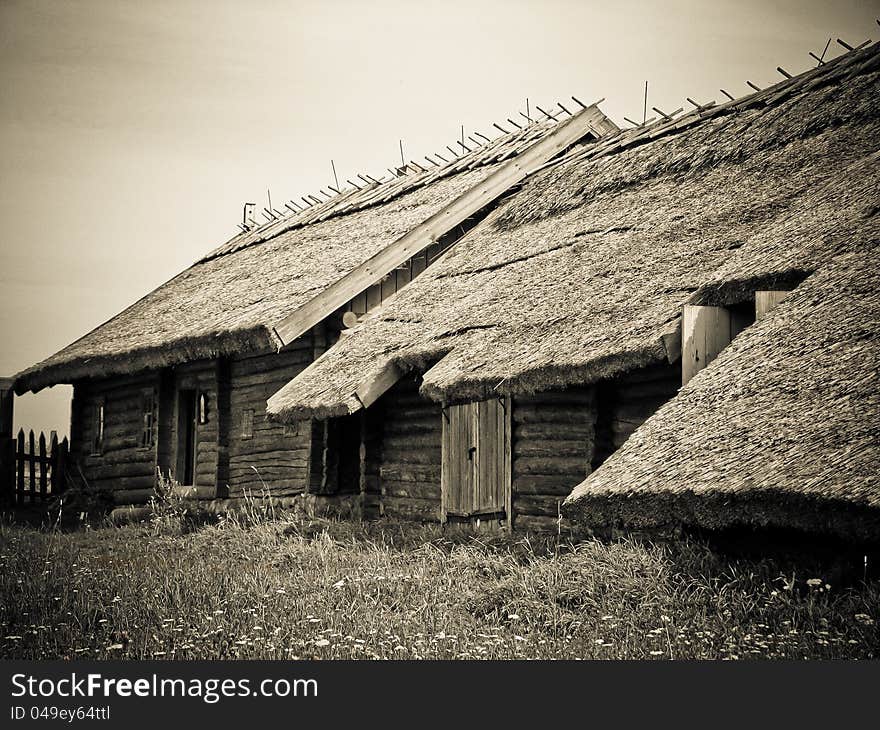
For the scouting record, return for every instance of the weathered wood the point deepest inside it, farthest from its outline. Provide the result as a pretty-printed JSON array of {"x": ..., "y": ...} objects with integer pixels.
[
  {"x": 411, "y": 473},
  {"x": 7, "y": 401},
  {"x": 551, "y": 465},
  {"x": 706, "y": 332},
  {"x": 549, "y": 506},
  {"x": 552, "y": 485},
  {"x": 534, "y": 523},
  {"x": 575, "y": 397},
  {"x": 765, "y": 301},
  {"x": 550, "y": 431},
  {"x": 369, "y": 391},
  {"x": 7, "y": 442},
  {"x": 415, "y": 490},
  {"x": 577, "y": 127},
  {"x": 32, "y": 466},
  {"x": 550, "y": 448},
  {"x": 540, "y": 413},
  {"x": 133, "y": 496},
  {"x": 20, "y": 486},
  {"x": 425, "y": 510}
]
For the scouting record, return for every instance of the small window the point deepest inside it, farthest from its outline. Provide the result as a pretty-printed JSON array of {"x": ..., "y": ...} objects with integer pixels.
[
  {"x": 148, "y": 417},
  {"x": 203, "y": 408},
  {"x": 247, "y": 423},
  {"x": 98, "y": 429}
]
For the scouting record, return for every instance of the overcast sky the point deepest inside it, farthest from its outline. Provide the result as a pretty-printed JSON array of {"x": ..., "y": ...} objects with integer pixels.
[{"x": 131, "y": 132}]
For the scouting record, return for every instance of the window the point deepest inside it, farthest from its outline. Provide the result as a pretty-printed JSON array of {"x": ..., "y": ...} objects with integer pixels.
[
  {"x": 148, "y": 417},
  {"x": 98, "y": 429},
  {"x": 247, "y": 423},
  {"x": 203, "y": 408}
]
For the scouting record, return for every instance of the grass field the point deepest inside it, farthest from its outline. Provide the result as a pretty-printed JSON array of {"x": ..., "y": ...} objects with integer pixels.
[{"x": 287, "y": 588}]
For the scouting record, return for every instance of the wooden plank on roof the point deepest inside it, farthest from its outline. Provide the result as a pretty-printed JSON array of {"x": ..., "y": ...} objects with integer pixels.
[
  {"x": 496, "y": 184},
  {"x": 371, "y": 390}
]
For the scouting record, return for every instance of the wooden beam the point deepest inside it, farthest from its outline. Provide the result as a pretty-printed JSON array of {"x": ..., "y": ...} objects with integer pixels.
[
  {"x": 575, "y": 128},
  {"x": 706, "y": 331},
  {"x": 7, "y": 443},
  {"x": 7, "y": 398},
  {"x": 767, "y": 300},
  {"x": 371, "y": 390}
]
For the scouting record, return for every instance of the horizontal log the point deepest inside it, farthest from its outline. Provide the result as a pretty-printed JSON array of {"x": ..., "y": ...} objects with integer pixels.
[
  {"x": 289, "y": 363},
  {"x": 133, "y": 496},
  {"x": 115, "y": 483},
  {"x": 121, "y": 382},
  {"x": 206, "y": 492},
  {"x": 404, "y": 442},
  {"x": 654, "y": 372},
  {"x": 428, "y": 424},
  {"x": 288, "y": 471},
  {"x": 411, "y": 472},
  {"x": 277, "y": 456},
  {"x": 117, "y": 470},
  {"x": 554, "y": 414},
  {"x": 552, "y": 431},
  {"x": 533, "y": 523},
  {"x": 411, "y": 456},
  {"x": 577, "y": 467},
  {"x": 557, "y": 485},
  {"x": 425, "y": 510},
  {"x": 416, "y": 490},
  {"x": 537, "y": 505},
  {"x": 580, "y": 396},
  {"x": 551, "y": 447},
  {"x": 130, "y": 514}
]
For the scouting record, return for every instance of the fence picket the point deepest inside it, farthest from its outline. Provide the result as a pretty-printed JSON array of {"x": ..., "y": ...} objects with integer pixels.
[
  {"x": 44, "y": 467},
  {"x": 19, "y": 465},
  {"x": 32, "y": 454},
  {"x": 32, "y": 466}
]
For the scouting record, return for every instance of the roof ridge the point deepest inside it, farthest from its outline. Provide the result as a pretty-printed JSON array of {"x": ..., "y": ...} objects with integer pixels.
[
  {"x": 381, "y": 191},
  {"x": 671, "y": 124}
]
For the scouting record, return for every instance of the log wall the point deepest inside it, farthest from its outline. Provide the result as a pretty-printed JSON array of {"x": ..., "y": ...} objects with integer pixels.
[
  {"x": 553, "y": 444},
  {"x": 626, "y": 402},
  {"x": 271, "y": 455},
  {"x": 202, "y": 377},
  {"x": 123, "y": 466},
  {"x": 409, "y": 465}
]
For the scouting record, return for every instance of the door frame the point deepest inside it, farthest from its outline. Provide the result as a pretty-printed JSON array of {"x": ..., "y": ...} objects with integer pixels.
[{"x": 477, "y": 413}]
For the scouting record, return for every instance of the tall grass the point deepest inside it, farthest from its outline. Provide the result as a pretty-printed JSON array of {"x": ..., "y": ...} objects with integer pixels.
[{"x": 254, "y": 587}]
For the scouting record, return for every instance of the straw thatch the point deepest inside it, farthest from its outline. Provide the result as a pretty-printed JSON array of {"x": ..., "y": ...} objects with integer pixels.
[
  {"x": 228, "y": 302},
  {"x": 583, "y": 273},
  {"x": 779, "y": 430}
]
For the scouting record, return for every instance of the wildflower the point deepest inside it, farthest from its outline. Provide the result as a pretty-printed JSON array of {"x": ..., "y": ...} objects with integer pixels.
[
  {"x": 864, "y": 619},
  {"x": 814, "y": 582},
  {"x": 656, "y": 653},
  {"x": 322, "y": 642}
]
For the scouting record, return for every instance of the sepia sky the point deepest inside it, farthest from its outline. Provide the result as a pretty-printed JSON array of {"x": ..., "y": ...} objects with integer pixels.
[{"x": 131, "y": 132}]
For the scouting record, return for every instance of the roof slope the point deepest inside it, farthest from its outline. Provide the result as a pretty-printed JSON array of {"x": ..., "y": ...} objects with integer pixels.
[
  {"x": 780, "y": 429},
  {"x": 228, "y": 302},
  {"x": 584, "y": 272}
]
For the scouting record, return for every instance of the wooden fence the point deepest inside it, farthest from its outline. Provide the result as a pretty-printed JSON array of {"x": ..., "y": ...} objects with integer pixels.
[{"x": 39, "y": 471}]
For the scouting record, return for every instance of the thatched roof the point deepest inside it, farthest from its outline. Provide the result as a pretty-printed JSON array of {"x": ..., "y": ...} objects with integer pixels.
[
  {"x": 228, "y": 302},
  {"x": 583, "y": 274},
  {"x": 780, "y": 429}
]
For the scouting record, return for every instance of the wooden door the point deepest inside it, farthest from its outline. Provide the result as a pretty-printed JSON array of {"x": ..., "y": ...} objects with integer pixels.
[{"x": 475, "y": 473}]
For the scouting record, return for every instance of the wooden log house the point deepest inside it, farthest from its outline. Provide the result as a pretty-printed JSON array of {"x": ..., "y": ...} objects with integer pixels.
[
  {"x": 549, "y": 337},
  {"x": 177, "y": 383}
]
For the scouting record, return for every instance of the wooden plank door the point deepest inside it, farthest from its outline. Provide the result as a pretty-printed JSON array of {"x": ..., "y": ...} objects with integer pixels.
[
  {"x": 457, "y": 465},
  {"x": 475, "y": 477}
]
